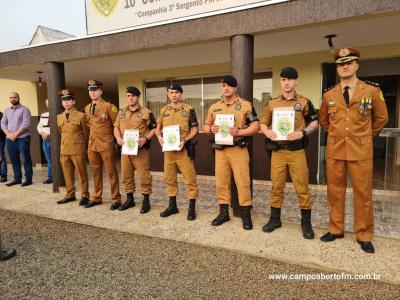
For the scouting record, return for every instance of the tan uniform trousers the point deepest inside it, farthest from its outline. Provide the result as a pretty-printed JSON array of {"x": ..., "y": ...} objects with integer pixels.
[
  {"x": 236, "y": 160},
  {"x": 69, "y": 163},
  {"x": 296, "y": 162},
  {"x": 361, "y": 178},
  {"x": 97, "y": 159},
  {"x": 139, "y": 163},
  {"x": 179, "y": 160}
]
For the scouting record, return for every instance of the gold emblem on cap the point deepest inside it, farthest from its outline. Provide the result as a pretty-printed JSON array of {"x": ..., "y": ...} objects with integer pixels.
[
  {"x": 92, "y": 82},
  {"x": 65, "y": 92},
  {"x": 344, "y": 52}
]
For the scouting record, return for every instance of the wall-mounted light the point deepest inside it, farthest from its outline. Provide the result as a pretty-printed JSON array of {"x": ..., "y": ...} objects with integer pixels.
[
  {"x": 40, "y": 82},
  {"x": 330, "y": 38}
]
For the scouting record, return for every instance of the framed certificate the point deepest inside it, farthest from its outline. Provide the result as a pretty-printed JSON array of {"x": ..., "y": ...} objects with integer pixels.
[
  {"x": 283, "y": 122},
  {"x": 223, "y": 136},
  {"x": 172, "y": 138},
  {"x": 131, "y": 142}
]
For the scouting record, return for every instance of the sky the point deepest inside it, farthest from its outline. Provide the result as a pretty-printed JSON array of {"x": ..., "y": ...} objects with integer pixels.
[{"x": 20, "y": 18}]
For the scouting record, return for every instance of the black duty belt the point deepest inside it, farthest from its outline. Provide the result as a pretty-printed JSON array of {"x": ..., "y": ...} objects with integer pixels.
[{"x": 293, "y": 146}]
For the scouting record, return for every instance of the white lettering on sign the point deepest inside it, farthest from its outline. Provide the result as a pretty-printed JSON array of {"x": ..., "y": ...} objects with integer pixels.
[{"x": 112, "y": 15}]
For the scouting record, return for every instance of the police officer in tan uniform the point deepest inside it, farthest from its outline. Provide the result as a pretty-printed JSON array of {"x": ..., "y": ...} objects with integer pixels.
[
  {"x": 182, "y": 114},
  {"x": 74, "y": 133},
  {"x": 233, "y": 158},
  {"x": 101, "y": 116},
  {"x": 290, "y": 154},
  {"x": 352, "y": 112},
  {"x": 136, "y": 117}
]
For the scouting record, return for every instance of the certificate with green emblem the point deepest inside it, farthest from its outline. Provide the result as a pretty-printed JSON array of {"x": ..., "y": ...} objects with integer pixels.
[
  {"x": 225, "y": 122},
  {"x": 172, "y": 138},
  {"x": 131, "y": 142},
  {"x": 283, "y": 122}
]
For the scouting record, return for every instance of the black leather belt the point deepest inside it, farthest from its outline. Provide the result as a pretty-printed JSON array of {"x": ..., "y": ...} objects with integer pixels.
[{"x": 294, "y": 146}]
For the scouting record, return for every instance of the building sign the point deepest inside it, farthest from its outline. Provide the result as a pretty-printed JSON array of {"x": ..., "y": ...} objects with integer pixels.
[{"x": 110, "y": 15}]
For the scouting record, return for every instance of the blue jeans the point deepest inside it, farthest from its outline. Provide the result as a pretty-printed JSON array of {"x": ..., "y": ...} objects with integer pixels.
[
  {"x": 47, "y": 154},
  {"x": 3, "y": 164},
  {"x": 15, "y": 149}
]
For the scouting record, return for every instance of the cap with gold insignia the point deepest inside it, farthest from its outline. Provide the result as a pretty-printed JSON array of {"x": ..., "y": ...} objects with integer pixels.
[
  {"x": 67, "y": 94},
  {"x": 94, "y": 85},
  {"x": 346, "y": 54}
]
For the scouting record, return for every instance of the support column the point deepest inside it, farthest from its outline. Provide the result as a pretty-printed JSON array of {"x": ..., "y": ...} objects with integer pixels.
[
  {"x": 55, "y": 83},
  {"x": 242, "y": 68}
]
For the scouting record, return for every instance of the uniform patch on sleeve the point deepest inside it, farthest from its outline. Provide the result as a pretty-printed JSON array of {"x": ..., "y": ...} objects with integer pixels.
[
  {"x": 114, "y": 109},
  {"x": 381, "y": 97}
]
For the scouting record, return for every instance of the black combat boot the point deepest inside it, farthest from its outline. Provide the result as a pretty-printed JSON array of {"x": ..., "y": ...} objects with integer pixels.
[
  {"x": 192, "y": 210},
  {"x": 246, "y": 218},
  {"x": 223, "y": 215},
  {"x": 171, "y": 209},
  {"x": 145, "y": 204},
  {"x": 274, "y": 221},
  {"x": 306, "y": 227},
  {"x": 130, "y": 202}
]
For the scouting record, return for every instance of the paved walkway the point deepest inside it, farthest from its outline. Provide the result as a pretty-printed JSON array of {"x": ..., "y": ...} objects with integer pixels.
[
  {"x": 286, "y": 244},
  {"x": 386, "y": 204}
]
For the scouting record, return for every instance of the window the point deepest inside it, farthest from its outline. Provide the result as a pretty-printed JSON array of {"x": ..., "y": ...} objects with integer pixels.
[{"x": 202, "y": 92}]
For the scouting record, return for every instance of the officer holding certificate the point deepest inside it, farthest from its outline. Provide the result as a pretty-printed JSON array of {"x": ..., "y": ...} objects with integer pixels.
[
  {"x": 178, "y": 123},
  {"x": 286, "y": 122},
  {"x": 232, "y": 121},
  {"x": 130, "y": 120}
]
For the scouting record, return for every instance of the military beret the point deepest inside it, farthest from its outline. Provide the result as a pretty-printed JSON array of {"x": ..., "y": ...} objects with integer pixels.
[
  {"x": 94, "y": 83},
  {"x": 289, "y": 72},
  {"x": 175, "y": 87},
  {"x": 133, "y": 90},
  {"x": 229, "y": 80},
  {"x": 346, "y": 54},
  {"x": 66, "y": 94}
]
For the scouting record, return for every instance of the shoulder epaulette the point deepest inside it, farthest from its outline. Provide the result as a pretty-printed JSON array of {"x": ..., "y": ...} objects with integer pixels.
[
  {"x": 371, "y": 83},
  {"x": 329, "y": 88}
]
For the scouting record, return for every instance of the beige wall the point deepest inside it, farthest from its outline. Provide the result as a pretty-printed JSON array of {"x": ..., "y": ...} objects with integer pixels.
[
  {"x": 308, "y": 65},
  {"x": 26, "y": 90}
]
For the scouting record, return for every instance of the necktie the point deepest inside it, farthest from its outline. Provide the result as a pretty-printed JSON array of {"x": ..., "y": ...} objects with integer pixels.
[
  {"x": 67, "y": 115},
  {"x": 93, "y": 108},
  {"x": 346, "y": 95}
]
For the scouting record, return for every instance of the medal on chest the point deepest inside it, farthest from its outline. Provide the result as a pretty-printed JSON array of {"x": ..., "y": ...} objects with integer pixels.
[{"x": 365, "y": 106}]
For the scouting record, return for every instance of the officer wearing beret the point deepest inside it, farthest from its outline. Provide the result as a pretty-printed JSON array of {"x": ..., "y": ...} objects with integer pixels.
[
  {"x": 74, "y": 134},
  {"x": 290, "y": 154},
  {"x": 352, "y": 113},
  {"x": 135, "y": 117},
  {"x": 101, "y": 116},
  {"x": 233, "y": 158},
  {"x": 184, "y": 115}
]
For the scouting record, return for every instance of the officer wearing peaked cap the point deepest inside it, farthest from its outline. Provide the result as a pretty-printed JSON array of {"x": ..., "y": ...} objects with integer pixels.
[
  {"x": 135, "y": 117},
  {"x": 101, "y": 116},
  {"x": 353, "y": 113},
  {"x": 74, "y": 134}
]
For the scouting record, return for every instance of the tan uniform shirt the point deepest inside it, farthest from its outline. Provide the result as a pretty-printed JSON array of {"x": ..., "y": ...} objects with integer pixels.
[
  {"x": 183, "y": 115},
  {"x": 101, "y": 134},
  {"x": 73, "y": 132},
  {"x": 305, "y": 111},
  {"x": 351, "y": 127},
  {"x": 139, "y": 119},
  {"x": 241, "y": 109}
]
